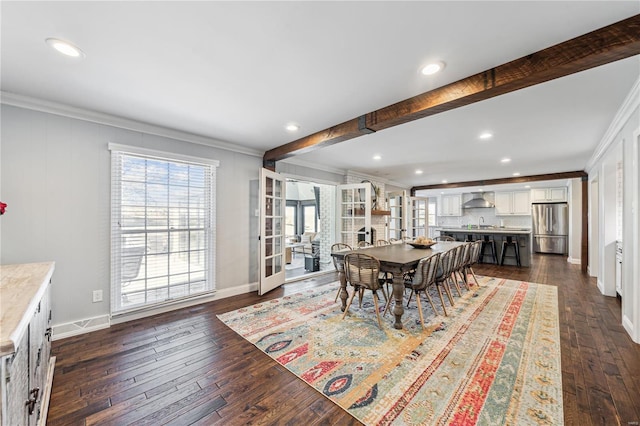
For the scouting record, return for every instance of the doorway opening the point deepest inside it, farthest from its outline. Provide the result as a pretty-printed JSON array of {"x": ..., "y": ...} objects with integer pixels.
[{"x": 309, "y": 228}]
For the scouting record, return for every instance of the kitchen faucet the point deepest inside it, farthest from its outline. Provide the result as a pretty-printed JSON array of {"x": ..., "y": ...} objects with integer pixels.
[{"x": 480, "y": 218}]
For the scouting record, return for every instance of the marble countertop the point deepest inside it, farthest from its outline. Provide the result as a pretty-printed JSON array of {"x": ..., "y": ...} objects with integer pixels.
[
  {"x": 506, "y": 231},
  {"x": 22, "y": 286}
]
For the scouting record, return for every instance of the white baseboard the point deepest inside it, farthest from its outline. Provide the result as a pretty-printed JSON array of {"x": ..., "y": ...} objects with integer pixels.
[
  {"x": 219, "y": 294},
  {"x": 600, "y": 286},
  {"x": 573, "y": 261},
  {"x": 628, "y": 325},
  {"x": 75, "y": 328},
  {"x": 61, "y": 331}
]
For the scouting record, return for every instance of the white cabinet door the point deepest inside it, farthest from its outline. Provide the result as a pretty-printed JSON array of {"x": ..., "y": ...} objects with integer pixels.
[
  {"x": 557, "y": 194},
  {"x": 503, "y": 203},
  {"x": 456, "y": 205},
  {"x": 521, "y": 204},
  {"x": 538, "y": 195},
  {"x": 542, "y": 195},
  {"x": 451, "y": 205},
  {"x": 513, "y": 203}
]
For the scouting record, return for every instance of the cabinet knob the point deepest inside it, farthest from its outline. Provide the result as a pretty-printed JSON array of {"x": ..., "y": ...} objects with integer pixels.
[{"x": 48, "y": 333}]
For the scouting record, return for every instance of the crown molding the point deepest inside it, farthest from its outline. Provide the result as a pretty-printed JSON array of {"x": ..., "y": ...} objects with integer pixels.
[
  {"x": 310, "y": 165},
  {"x": 630, "y": 104},
  {"x": 50, "y": 107},
  {"x": 373, "y": 178}
]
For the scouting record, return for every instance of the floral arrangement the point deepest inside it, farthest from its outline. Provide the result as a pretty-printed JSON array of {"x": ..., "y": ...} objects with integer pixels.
[{"x": 3, "y": 206}]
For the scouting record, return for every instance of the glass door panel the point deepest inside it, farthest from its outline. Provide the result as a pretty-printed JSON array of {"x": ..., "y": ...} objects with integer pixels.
[
  {"x": 354, "y": 213},
  {"x": 272, "y": 221}
]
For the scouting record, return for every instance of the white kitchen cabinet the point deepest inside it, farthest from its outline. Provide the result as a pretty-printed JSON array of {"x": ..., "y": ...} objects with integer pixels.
[
  {"x": 25, "y": 344},
  {"x": 450, "y": 205},
  {"x": 548, "y": 195},
  {"x": 512, "y": 203}
]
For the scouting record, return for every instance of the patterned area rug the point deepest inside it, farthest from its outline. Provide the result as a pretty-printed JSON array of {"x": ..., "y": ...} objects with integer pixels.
[{"x": 495, "y": 360}]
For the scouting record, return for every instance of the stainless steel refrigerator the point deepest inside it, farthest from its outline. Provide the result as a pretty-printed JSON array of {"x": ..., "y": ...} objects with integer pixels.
[{"x": 550, "y": 227}]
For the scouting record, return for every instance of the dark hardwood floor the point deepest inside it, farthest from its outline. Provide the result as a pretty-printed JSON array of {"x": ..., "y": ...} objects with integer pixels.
[{"x": 186, "y": 367}]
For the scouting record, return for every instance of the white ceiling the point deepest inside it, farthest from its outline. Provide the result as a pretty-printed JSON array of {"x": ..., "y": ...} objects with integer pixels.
[{"x": 237, "y": 72}]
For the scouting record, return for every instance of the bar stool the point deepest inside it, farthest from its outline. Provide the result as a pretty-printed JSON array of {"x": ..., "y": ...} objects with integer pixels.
[
  {"x": 509, "y": 242},
  {"x": 487, "y": 241},
  {"x": 469, "y": 238}
]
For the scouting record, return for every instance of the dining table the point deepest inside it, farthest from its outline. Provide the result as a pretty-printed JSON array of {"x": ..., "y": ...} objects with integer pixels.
[{"x": 396, "y": 259}]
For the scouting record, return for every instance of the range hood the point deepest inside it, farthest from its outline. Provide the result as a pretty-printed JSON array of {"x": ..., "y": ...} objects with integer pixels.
[{"x": 477, "y": 202}]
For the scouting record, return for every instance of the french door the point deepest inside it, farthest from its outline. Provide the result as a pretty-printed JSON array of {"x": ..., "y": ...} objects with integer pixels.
[
  {"x": 272, "y": 223},
  {"x": 398, "y": 217},
  {"x": 354, "y": 213},
  {"x": 418, "y": 217}
]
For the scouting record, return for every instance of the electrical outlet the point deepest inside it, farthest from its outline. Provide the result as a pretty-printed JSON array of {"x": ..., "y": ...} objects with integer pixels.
[{"x": 97, "y": 296}]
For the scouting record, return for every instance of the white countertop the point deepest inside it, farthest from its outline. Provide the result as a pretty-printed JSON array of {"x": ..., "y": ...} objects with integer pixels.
[{"x": 21, "y": 288}]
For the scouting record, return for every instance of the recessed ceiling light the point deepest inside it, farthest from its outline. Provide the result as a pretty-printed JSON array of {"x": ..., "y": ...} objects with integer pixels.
[
  {"x": 444, "y": 181},
  {"x": 292, "y": 127},
  {"x": 377, "y": 157},
  {"x": 418, "y": 172},
  {"x": 527, "y": 186},
  {"x": 516, "y": 174},
  {"x": 480, "y": 190},
  {"x": 432, "y": 68},
  {"x": 505, "y": 160},
  {"x": 65, "y": 48},
  {"x": 485, "y": 135}
]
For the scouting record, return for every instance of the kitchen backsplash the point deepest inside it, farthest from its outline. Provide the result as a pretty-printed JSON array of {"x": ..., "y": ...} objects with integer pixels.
[{"x": 471, "y": 216}]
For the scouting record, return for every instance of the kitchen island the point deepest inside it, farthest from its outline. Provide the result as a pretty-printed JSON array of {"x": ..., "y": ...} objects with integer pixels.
[{"x": 522, "y": 235}]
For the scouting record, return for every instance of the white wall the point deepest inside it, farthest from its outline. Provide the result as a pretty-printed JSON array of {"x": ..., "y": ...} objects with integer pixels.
[
  {"x": 55, "y": 178},
  {"x": 603, "y": 168}
]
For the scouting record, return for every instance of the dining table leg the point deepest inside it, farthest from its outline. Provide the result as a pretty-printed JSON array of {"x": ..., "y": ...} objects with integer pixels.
[
  {"x": 343, "y": 288},
  {"x": 398, "y": 295}
]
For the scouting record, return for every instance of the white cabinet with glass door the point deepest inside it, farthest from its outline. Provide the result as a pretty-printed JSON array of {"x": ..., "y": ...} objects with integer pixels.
[{"x": 354, "y": 213}]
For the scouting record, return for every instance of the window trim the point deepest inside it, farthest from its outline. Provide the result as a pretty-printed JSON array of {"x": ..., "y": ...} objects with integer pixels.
[{"x": 169, "y": 157}]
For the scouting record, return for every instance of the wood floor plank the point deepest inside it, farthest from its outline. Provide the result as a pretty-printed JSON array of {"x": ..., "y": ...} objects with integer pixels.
[{"x": 187, "y": 367}]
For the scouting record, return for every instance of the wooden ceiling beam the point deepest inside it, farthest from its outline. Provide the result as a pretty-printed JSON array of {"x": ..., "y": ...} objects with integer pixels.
[
  {"x": 608, "y": 44},
  {"x": 502, "y": 181}
]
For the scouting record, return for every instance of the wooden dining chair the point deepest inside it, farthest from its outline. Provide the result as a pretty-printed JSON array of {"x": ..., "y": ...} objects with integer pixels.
[
  {"x": 443, "y": 238},
  {"x": 362, "y": 273},
  {"x": 364, "y": 244},
  {"x": 382, "y": 243},
  {"x": 339, "y": 263},
  {"x": 423, "y": 278}
]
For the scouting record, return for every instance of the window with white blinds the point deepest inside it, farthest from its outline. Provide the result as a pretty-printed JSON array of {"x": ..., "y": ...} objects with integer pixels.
[{"x": 162, "y": 227}]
